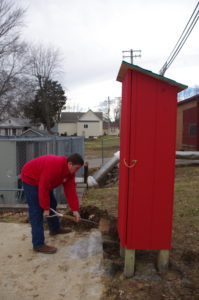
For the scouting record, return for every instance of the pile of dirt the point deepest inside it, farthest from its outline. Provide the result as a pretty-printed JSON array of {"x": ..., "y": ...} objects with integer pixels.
[
  {"x": 94, "y": 214},
  {"x": 90, "y": 213}
]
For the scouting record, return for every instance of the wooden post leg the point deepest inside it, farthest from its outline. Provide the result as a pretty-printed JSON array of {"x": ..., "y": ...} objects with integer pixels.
[
  {"x": 163, "y": 260},
  {"x": 129, "y": 263},
  {"x": 122, "y": 252}
]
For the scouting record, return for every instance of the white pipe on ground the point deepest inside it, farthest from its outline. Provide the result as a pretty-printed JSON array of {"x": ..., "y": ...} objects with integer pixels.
[
  {"x": 108, "y": 166},
  {"x": 187, "y": 154}
]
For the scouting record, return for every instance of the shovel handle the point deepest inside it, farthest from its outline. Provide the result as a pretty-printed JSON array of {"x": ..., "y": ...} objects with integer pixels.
[{"x": 69, "y": 218}]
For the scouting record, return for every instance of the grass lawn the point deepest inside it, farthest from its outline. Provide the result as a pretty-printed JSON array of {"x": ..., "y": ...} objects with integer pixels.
[
  {"x": 186, "y": 205},
  {"x": 105, "y": 146},
  {"x": 103, "y": 198},
  {"x": 186, "y": 198}
]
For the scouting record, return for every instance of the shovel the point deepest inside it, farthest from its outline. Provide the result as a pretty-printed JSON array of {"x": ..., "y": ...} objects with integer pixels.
[{"x": 57, "y": 214}]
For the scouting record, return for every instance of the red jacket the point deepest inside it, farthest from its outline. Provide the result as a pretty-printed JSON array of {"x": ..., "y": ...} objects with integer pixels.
[{"x": 48, "y": 172}]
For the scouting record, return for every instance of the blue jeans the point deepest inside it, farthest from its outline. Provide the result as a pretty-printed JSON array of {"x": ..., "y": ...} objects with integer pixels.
[{"x": 36, "y": 214}]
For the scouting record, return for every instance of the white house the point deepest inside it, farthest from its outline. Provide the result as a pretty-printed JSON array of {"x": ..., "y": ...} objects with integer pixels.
[
  {"x": 18, "y": 126},
  {"x": 85, "y": 124},
  {"x": 14, "y": 126}
]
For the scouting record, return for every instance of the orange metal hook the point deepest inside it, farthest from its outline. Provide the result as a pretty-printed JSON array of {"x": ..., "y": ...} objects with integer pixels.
[{"x": 134, "y": 161}]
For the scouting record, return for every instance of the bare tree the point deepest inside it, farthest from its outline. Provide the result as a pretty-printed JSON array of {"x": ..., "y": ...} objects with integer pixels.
[
  {"x": 105, "y": 107},
  {"x": 110, "y": 108},
  {"x": 11, "y": 49},
  {"x": 73, "y": 106},
  {"x": 16, "y": 99},
  {"x": 117, "y": 111},
  {"x": 44, "y": 63},
  {"x": 189, "y": 92}
]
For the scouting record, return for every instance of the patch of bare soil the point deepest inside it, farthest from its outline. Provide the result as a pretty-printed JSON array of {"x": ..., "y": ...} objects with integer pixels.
[
  {"x": 90, "y": 213},
  {"x": 180, "y": 282},
  {"x": 103, "y": 221}
]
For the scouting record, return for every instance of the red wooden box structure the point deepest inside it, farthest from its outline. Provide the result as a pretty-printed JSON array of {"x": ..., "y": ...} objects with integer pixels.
[{"x": 147, "y": 158}]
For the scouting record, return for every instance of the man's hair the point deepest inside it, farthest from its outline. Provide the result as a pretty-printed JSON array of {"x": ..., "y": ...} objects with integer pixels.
[{"x": 76, "y": 159}]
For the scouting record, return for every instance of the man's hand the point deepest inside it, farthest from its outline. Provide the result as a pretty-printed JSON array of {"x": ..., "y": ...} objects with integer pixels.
[
  {"x": 77, "y": 216},
  {"x": 46, "y": 213}
]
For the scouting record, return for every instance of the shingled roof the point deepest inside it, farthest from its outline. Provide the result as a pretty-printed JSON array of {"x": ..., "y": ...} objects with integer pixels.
[
  {"x": 73, "y": 117},
  {"x": 15, "y": 123},
  {"x": 188, "y": 100}
]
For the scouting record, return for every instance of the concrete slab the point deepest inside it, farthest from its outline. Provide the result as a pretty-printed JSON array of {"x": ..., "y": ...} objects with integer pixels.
[{"x": 75, "y": 272}]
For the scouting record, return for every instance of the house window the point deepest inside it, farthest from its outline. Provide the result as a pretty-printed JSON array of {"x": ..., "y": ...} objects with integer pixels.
[
  {"x": 85, "y": 125},
  {"x": 14, "y": 131},
  {"x": 192, "y": 130}
]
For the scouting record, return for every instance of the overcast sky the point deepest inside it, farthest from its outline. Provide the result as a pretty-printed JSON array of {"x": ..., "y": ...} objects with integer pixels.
[{"x": 91, "y": 35}]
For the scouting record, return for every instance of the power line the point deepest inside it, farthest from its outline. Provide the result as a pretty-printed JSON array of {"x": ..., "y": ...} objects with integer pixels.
[
  {"x": 188, "y": 30},
  {"x": 181, "y": 41}
]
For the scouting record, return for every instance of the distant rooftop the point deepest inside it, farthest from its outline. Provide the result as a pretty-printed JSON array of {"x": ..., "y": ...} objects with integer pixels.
[
  {"x": 191, "y": 99},
  {"x": 73, "y": 117},
  {"x": 15, "y": 122}
]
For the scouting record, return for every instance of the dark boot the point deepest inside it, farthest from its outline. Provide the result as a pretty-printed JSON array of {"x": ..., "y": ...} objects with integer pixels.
[
  {"x": 46, "y": 249},
  {"x": 61, "y": 230}
]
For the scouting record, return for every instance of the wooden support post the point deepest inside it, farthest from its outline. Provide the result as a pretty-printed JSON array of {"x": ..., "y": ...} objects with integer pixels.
[
  {"x": 122, "y": 252},
  {"x": 163, "y": 260},
  {"x": 129, "y": 263},
  {"x": 85, "y": 172}
]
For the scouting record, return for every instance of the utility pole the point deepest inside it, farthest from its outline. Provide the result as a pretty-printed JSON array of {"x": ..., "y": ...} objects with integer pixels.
[
  {"x": 132, "y": 55},
  {"x": 108, "y": 112}
]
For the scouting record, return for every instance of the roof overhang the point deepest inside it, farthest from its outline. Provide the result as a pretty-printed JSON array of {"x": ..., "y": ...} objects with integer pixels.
[{"x": 126, "y": 66}]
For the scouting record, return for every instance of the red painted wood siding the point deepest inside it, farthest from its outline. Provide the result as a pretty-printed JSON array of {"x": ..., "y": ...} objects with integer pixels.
[
  {"x": 148, "y": 135},
  {"x": 189, "y": 117},
  {"x": 125, "y": 129}
]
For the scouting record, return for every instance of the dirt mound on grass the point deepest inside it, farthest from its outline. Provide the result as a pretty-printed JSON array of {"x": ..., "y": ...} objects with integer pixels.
[{"x": 95, "y": 214}]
